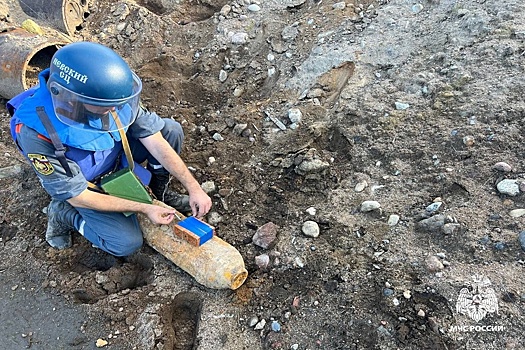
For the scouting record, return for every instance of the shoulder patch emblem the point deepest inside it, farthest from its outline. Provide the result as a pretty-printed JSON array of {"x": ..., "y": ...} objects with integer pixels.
[{"x": 41, "y": 164}]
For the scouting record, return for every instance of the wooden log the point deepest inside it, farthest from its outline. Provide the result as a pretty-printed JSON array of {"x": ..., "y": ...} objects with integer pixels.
[{"x": 215, "y": 264}]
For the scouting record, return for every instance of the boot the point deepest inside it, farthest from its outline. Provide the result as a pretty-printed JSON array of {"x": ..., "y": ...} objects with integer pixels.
[
  {"x": 160, "y": 189},
  {"x": 61, "y": 217}
]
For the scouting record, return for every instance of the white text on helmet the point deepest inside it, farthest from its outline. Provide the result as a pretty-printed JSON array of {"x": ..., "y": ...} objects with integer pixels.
[{"x": 66, "y": 72}]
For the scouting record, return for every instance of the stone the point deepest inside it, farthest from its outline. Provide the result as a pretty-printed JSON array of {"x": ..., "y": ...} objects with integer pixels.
[
  {"x": 367, "y": 206},
  {"x": 295, "y": 115},
  {"x": 265, "y": 235},
  {"x": 516, "y": 213},
  {"x": 521, "y": 239},
  {"x": 502, "y": 166},
  {"x": 223, "y": 75},
  {"x": 262, "y": 261},
  {"x": 509, "y": 187},
  {"x": 101, "y": 343},
  {"x": 311, "y": 229},
  {"x": 239, "y": 38},
  {"x": 393, "y": 220},
  {"x": 361, "y": 185},
  {"x": 254, "y": 8},
  {"x": 432, "y": 224},
  {"x": 434, "y": 207},
  {"x": 433, "y": 264},
  {"x": 260, "y": 324},
  {"x": 312, "y": 211},
  {"x": 208, "y": 187},
  {"x": 311, "y": 166}
]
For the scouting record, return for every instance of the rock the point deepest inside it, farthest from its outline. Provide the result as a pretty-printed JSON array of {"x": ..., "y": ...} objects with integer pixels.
[
  {"x": 468, "y": 141},
  {"x": 218, "y": 137},
  {"x": 299, "y": 262},
  {"x": 225, "y": 192},
  {"x": 262, "y": 261},
  {"x": 239, "y": 38},
  {"x": 214, "y": 218},
  {"x": 265, "y": 235},
  {"x": 516, "y": 213},
  {"x": 434, "y": 207},
  {"x": 122, "y": 11},
  {"x": 521, "y": 239},
  {"x": 311, "y": 229},
  {"x": 254, "y": 8},
  {"x": 312, "y": 211},
  {"x": 247, "y": 133},
  {"x": 101, "y": 343},
  {"x": 208, "y": 187},
  {"x": 433, "y": 264},
  {"x": 311, "y": 166},
  {"x": 260, "y": 324},
  {"x": 225, "y": 10},
  {"x": 417, "y": 8},
  {"x": 400, "y": 106},
  {"x": 253, "y": 321},
  {"x": 289, "y": 33},
  {"x": 432, "y": 224},
  {"x": 509, "y": 187},
  {"x": 223, "y": 75},
  {"x": 361, "y": 185},
  {"x": 239, "y": 128},
  {"x": 238, "y": 91},
  {"x": 500, "y": 245},
  {"x": 367, "y": 206},
  {"x": 502, "y": 166},
  {"x": 393, "y": 220},
  {"x": 295, "y": 115},
  {"x": 388, "y": 292}
]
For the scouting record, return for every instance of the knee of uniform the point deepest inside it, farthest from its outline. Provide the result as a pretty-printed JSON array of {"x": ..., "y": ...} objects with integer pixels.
[
  {"x": 172, "y": 132},
  {"x": 129, "y": 246}
]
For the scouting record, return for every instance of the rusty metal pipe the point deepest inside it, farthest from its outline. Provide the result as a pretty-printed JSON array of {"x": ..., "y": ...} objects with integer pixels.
[
  {"x": 63, "y": 15},
  {"x": 22, "y": 56}
]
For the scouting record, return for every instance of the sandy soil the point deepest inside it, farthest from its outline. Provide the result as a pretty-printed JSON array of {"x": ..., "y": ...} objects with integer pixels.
[{"x": 410, "y": 105}]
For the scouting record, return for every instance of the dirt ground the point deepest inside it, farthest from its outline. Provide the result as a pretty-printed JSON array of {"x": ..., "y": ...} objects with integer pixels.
[{"x": 299, "y": 111}]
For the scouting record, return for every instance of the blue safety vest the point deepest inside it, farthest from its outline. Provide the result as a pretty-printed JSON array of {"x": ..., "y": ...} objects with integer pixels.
[{"x": 95, "y": 153}]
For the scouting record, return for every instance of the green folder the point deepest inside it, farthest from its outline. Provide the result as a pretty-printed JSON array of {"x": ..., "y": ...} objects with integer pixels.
[{"x": 125, "y": 184}]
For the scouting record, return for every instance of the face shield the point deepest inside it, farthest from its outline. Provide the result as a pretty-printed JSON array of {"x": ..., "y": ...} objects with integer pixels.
[{"x": 95, "y": 114}]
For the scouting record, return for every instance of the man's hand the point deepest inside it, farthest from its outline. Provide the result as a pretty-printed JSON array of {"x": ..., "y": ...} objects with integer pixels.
[
  {"x": 159, "y": 215},
  {"x": 200, "y": 203}
]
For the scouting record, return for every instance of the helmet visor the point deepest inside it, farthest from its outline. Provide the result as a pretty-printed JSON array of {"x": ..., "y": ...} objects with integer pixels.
[{"x": 95, "y": 114}]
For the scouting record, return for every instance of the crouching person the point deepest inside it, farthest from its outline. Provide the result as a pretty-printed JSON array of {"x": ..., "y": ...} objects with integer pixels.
[{"x": 74, "y": 128}]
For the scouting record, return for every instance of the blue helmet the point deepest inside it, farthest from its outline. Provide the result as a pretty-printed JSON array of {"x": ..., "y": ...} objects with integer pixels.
[{"x": 89, "y": 81}]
